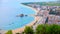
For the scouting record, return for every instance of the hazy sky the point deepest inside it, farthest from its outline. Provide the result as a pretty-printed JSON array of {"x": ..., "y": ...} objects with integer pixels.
[
  {"x": 35, "y": 0},
  {"x": 27, "y": 0}
]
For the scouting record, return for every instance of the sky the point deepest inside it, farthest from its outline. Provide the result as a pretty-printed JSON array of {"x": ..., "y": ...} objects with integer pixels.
[
  {"x": 35, "y": 0},
  {"x": 27, "y": 0}
]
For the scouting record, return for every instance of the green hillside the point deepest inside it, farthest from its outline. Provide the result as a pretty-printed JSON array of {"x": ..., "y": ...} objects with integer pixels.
[{"x": 44, "y": 3}]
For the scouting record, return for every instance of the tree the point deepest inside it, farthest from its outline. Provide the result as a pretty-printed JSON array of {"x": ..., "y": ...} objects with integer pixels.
[
  {"x": 17, "y": 33},
  {"x": 55, "y": 29},
  {"x": 9, "y": 32},
  {"x": 28, "y": 30},
  {"x": 40, "y": 29}
]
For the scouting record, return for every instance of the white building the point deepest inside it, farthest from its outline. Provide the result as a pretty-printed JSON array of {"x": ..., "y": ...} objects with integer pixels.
[{"x": 53, "y": 19}]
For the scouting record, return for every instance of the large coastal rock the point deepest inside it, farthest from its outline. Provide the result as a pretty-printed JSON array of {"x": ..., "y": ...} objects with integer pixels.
[{"x": 21, "y": 15}]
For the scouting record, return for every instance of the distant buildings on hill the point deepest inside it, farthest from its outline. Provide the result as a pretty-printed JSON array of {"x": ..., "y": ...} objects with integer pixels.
[{"x": 50, "y": 13}]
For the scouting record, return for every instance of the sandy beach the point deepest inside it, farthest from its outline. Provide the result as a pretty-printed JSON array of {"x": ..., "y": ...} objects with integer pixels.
[{"x": 19, "y": 30}]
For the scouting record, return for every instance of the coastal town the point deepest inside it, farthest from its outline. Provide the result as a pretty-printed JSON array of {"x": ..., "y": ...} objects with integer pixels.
[
  {"x": 44, "y": 15},
  {"x": 50, "y": 14}
]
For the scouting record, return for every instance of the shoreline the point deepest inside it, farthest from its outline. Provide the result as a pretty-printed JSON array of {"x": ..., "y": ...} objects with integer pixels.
[
  {"x": 19, "y": 30},
  {"x": 22, "y": 28}
]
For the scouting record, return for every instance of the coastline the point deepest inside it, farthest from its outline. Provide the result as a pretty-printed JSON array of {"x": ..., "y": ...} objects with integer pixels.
[{"x": 19, "y": 30}]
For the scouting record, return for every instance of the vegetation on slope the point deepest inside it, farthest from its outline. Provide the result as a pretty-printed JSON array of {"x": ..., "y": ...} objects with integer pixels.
[
  {"x": 9, "y": 32},
  {"x": 41, "y": 29},
  {"x": 44, "y": 29},
  {"x": 44, "y": 3},
  {"x": 28, "y": 30}
]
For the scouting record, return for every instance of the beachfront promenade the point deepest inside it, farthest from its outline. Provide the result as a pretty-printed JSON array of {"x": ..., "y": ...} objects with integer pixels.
[{"x": 42, "y": 18}]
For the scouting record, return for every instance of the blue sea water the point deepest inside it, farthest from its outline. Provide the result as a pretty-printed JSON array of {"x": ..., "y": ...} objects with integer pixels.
[{"x": 9, "y": 10}]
